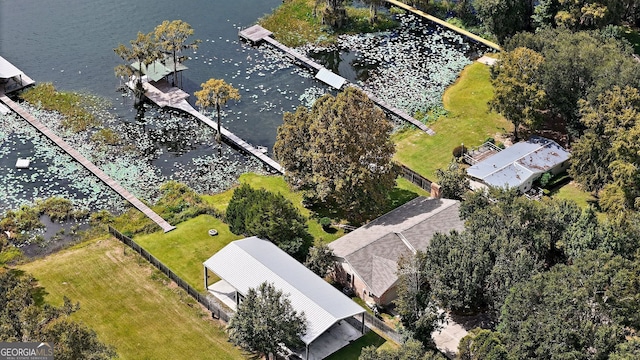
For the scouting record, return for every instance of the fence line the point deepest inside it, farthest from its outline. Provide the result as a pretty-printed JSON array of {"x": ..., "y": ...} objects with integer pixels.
[
  {"x": 380, "y": 325},
  {"x": 215, "y": 310},
  {"x": 416, "y": 178}
]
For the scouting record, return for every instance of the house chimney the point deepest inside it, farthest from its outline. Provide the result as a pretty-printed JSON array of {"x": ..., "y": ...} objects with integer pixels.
[{"x": 435, "y": 191}]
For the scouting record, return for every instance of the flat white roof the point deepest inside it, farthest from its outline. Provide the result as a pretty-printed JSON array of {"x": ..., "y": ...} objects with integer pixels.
[
  {"x": 330, "y": 78},
  {"x": 249, "y": 262},
  {"x": 514, "y": 165},
  {"x": 7, "y": 70}
]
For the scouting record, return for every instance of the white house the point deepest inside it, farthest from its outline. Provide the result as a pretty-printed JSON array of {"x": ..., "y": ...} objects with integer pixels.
[{"x": 519, "y": 165}]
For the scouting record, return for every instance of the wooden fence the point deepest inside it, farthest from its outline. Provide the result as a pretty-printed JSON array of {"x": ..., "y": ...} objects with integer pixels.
[
  {"x": 201, "y": 298},
  {"x": 416, "y": 178}
]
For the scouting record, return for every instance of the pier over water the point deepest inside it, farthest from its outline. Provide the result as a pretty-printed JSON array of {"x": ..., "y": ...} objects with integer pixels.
[
  {"x": 166, "y": 227},
  {"x": 256, "y": 34},
  {"x": 164, "y": 95}
]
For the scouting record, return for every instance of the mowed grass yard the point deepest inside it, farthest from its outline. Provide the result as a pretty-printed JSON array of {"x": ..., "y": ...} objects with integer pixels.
[
  {"x": 184, "y": 249},
  {"x": 131, "y": 305},
  {"x": 468, "y": 121}
]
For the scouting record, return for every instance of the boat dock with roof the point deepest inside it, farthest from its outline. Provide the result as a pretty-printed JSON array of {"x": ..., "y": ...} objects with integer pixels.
[
  {"x": 14, "y": 79},
  {"x": 164, "y": 95},
  {"x": 11, "y": 78}
]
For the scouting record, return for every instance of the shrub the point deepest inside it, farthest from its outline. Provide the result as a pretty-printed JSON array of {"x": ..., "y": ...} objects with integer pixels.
[
  {"x": 56, "y": 208},
  {"x": 544, "y": 179},
  {"x": 258, "y": 212},
  {"x": 325, "y": 222},
  {"x": 459, "y": 151},
  {"x": 490, "y": 140}
]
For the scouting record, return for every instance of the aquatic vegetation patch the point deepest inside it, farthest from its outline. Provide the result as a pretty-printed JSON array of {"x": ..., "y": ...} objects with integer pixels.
[
  {"x": 408, "y": 67},
  {"x": 72, "y": 105}
]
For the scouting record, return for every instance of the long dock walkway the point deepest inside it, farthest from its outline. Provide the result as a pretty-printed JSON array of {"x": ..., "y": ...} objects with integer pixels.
[
  {"x": 87, "y": 164},
  {"x": 164, "y": 95},
  {"x": 446, "y": 24},
  {"x": 257, "y": 33}
]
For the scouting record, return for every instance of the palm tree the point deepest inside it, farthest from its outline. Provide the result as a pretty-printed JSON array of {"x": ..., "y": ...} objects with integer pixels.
[{"x": 216, "y": 92}]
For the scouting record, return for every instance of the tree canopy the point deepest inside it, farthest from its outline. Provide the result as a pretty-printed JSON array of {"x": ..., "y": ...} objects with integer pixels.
[
  {"x": 577, "y": 66},
  {"x": 414, "y": 304},
  {"x": 258, "y": 212},
  {"x": 172, "y": 37},
  {"x": 339, "y": 152},
  {"x": 215, "y": 93},
  {"x": 518, "y": 90},
  {"x": 265, "y": 320},
  {"x": 320, "y": 260},
  {"x": 25, "y": 318},
  {"x": 453, "y": 181},
  {"x": 606, "y": 157},
  {"x": 504, "y": 17},
  {"x": 144, "y": 51},
  {"x": 581, "y": 311}
]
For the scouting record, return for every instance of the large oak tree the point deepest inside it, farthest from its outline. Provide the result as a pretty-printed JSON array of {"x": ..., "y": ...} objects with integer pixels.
[
  {"x": 339, "y": 152},
  {"x": 518, "y": 90}
]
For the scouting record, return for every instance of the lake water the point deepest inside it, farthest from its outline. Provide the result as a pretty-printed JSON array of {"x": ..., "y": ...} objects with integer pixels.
[{"x": 70, "y": 43}]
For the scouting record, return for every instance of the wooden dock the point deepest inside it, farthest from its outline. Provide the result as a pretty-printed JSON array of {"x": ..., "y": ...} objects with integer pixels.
[
  {"x": 168, "y": 96},
  {"x": 441, "y": 22},
  {"x": 87, "y": 164},
  {"x": 256, "y": 34}
]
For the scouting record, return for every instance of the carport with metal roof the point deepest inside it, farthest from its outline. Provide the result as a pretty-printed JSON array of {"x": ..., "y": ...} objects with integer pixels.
[{"x": 249, "y": 262}]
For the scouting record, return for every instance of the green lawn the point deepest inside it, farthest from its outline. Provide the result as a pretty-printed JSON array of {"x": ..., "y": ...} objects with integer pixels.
[
  {"x": 130, "y": 304},
  {"x": 352, "y": 352},
  {"x": 571, "y": 191},
  {"x": 184, "y": 249},
  {"x": 468, "y": 121}
]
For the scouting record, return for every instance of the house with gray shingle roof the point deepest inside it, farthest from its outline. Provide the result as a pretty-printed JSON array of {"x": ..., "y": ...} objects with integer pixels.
[
  {"x": 519, "y": 165},
  {"x": 368, "y": 256}
]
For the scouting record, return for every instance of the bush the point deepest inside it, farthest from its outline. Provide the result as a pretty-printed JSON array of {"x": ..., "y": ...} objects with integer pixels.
[
  {"x": 544, "y": 179},
  {"x": 459, "y": 151},
  {"x": 490, "y": 140},
  {"x": 325, "y": 222},
  {"x": 57, "y": 208},
  {"x": 271, "y": 216}
]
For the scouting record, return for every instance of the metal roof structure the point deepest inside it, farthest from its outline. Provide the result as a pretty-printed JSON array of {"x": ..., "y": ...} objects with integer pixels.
[
  {"x": 330, "y": 78},
  {"x": 249, "y": 262},
  {"x": 518, "y": 163},
  {"x": 158, "y": 69},
  {"x": 8, "y": 70},
  {"x": 373, "y": 250}
]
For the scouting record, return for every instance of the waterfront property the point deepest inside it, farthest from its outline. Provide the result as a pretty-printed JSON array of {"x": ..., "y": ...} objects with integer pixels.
[
  {"x": 256, "y": 34},
  {"x": 519, "y": 165},
  {"x": 79, "y": 157},
  {"x": 247, "y": 263},
  {"x": 165, "y": 95},
  {"x": 368, "y": 256},
  {"x": 12, "y": 78}
]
